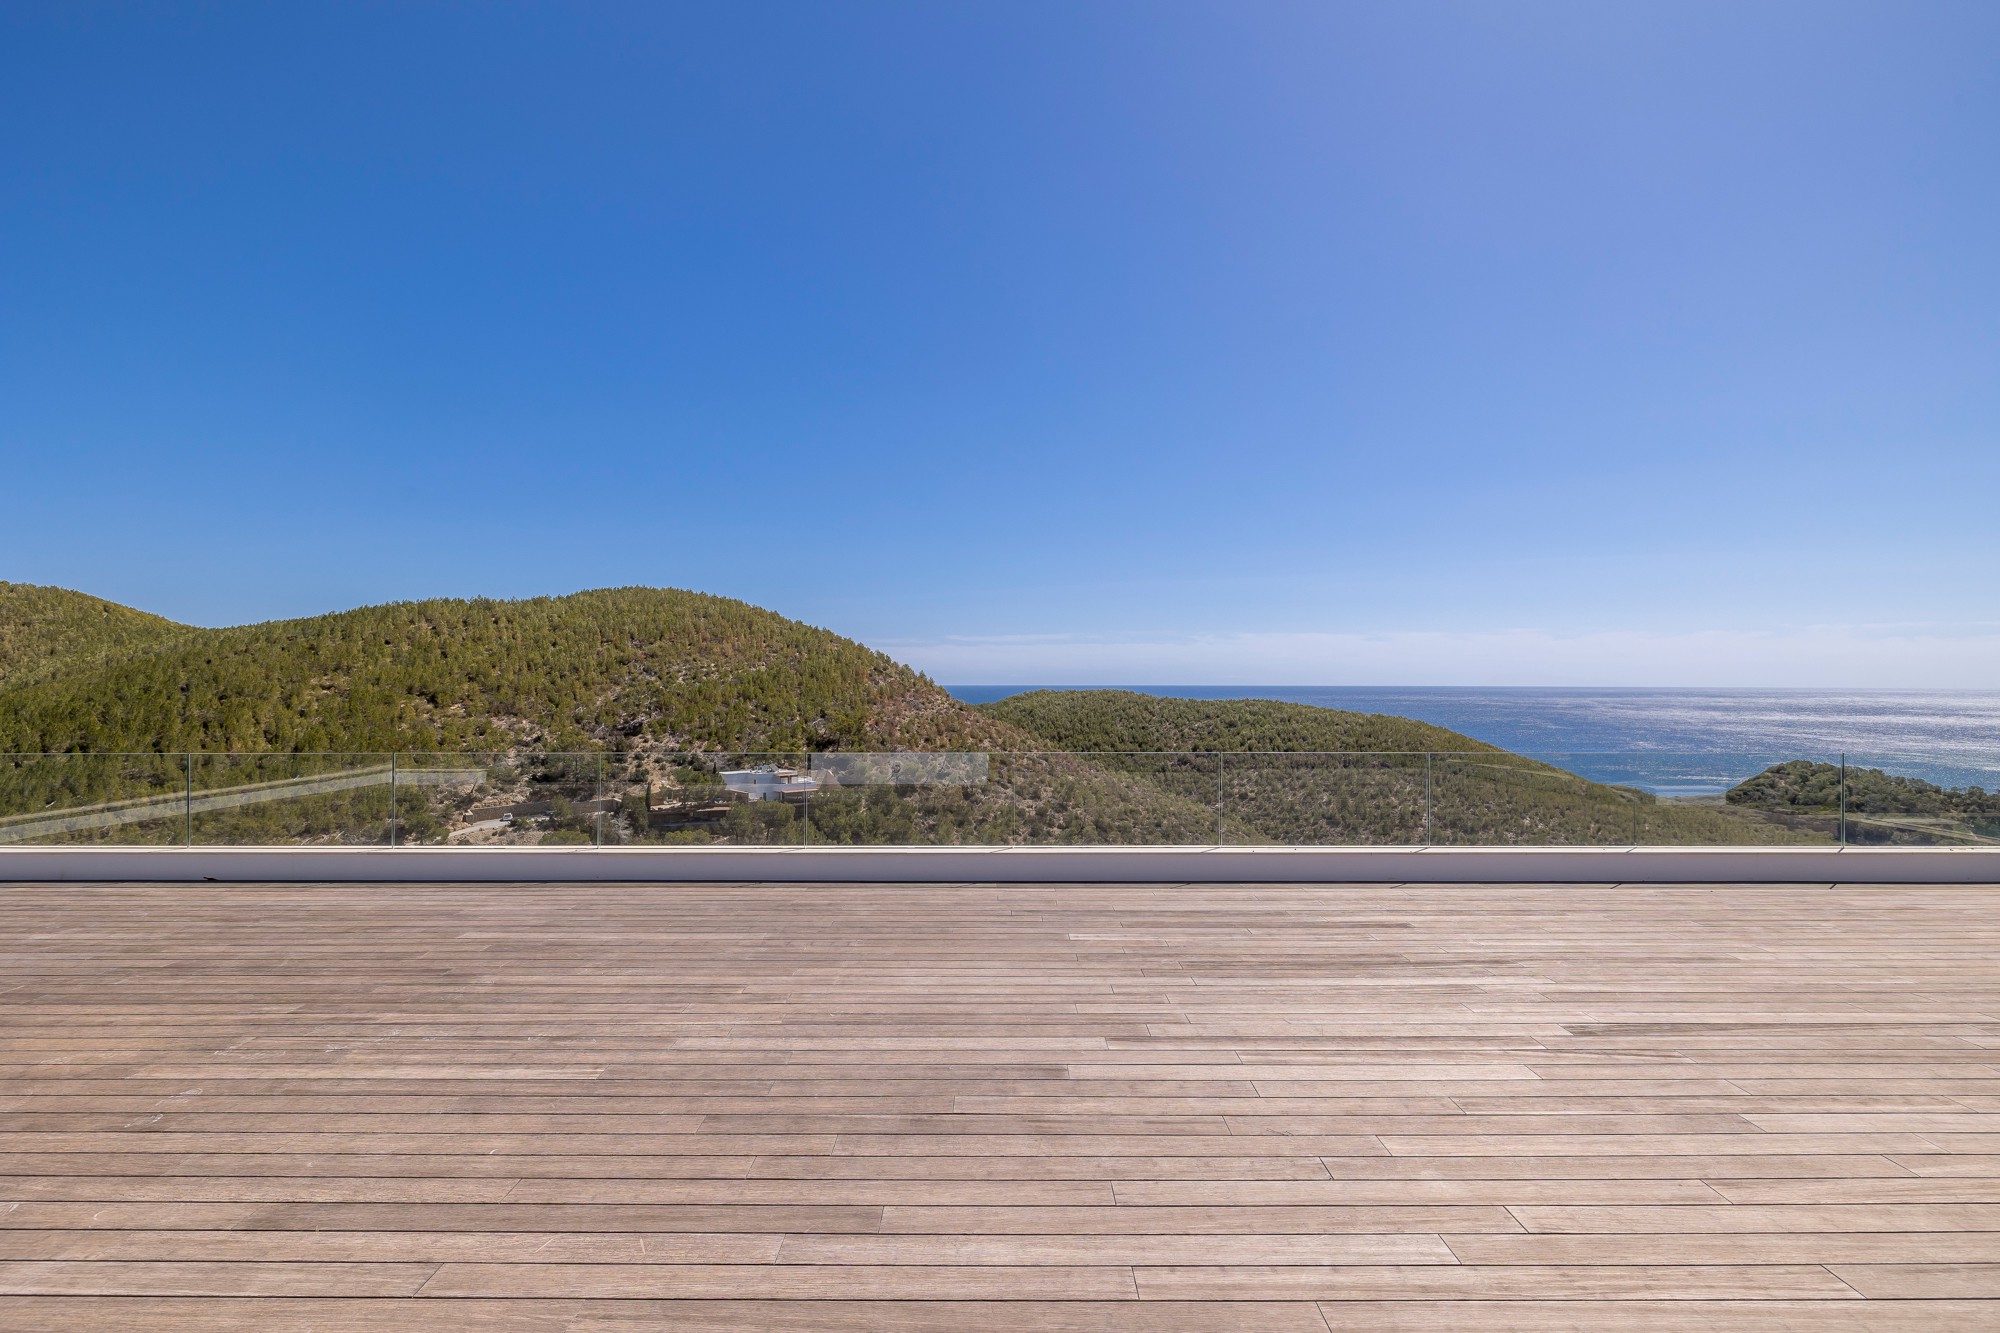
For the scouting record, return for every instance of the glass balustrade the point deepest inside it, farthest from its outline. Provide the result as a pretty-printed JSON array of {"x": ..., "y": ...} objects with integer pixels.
[{"x": 649, "y": 797}]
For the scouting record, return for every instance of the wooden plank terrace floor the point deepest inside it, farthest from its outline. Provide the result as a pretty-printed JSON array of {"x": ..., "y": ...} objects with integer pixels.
[{"x": 1051, "y": 1107}]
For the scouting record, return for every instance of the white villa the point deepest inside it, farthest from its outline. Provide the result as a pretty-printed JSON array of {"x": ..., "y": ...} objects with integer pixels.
[{"x": 770, "y": 784}]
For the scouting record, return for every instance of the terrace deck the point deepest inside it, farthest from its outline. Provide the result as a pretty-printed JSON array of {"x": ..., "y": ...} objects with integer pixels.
[{"x": 1051, "y": 1107}]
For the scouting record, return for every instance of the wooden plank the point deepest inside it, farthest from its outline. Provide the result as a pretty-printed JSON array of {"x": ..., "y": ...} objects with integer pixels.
[
  {"x": 1249, "y": 1220},
  {"x": 1503, "y": 1192},
  {"x": 799, "y": 1282},
  {"x": 530, "y": 1247},
  {"x": 1921, "y": 1281},
  {"x": 1763, "y": 1217},
  {"x": 835, "y": 1219},
  {"x": 1949, "y": 1164},
  {"x": 199, "y": 1278},
  {"x": 1170, "y": 1248},
  {"x": 1586, "y": 1282},
  {"x": 1785, "y": 1247},
  {"x": 1969, "y": 1189},
  {"x": 471, "y": 1315},
  {"x": 1608, "y": 1166},
  {"x": 1672, "y": 1315}
]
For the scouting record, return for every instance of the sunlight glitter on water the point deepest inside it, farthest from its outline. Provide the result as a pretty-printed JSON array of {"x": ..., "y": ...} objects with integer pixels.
[{"x": 1676, "y": 742}]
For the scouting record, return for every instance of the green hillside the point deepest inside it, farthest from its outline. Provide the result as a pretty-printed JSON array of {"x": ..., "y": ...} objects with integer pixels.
[
  {"x": 1873, "y": 807},
  {"x": 1803, "y": 784},
  {"x": 45, "y": 628},
  {"x": 603, "y": 669},
  {"x": 1292, "y": 773},
  {"x": 641, "y": 676},
  {"x": 1104, "y": 720}
]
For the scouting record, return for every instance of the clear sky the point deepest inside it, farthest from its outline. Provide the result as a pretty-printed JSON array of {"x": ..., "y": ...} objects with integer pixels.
[{"x": 1384, "y": 343}]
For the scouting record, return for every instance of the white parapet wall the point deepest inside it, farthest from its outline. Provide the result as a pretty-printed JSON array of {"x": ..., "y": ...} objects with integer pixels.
[{"x": 1007, "y": 865}]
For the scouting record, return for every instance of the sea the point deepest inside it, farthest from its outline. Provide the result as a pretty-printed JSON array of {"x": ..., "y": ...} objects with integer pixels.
[{"x": 1679, "y": 742}]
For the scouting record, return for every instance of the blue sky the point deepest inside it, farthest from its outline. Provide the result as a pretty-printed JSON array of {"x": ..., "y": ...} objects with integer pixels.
[{"x": 1151, "y": 341}]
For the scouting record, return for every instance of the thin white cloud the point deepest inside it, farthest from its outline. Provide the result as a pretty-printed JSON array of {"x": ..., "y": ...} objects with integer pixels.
[{"x": 1824, "y": 656}]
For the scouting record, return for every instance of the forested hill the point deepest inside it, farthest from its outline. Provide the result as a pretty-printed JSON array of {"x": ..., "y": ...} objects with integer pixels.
[
  {"x": 1802, "y": 784},
  {"x": 653, "y": 666},
  {"x": 1119, "y": 720},
  {"x": 654, "y": 672},
  {"x": 1331, "y": 776},
  {"x": 42, "y": 628}
]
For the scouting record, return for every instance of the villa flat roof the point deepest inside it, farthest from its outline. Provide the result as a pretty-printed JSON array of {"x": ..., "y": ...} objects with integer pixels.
[{"x": 1266, "y": 1107}]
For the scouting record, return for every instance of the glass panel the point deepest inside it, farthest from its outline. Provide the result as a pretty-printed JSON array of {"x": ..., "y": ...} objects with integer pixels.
[
  {"x": 898, "y": 799},
  {"x": 266, "y": 800},
  {"x": 655, "y": 797},
  {"x": 629, "y": 780},
  {"x": 518, "y": 799},
  {"x": 736, "y": 799},
  {"x": 1003, "y": 799},
  {"x": 93, "y": 798},
  {"x": 460, "y": 800},
  {"x": 1903, "y": 801},
  {"x": 1505, "y": 800},
  {"x": 1119, "y": 800},
  {"x": 641, "y": 797},
  {"x": 1646, "y": 799},
  {"x": 669, "y": 799},
  {"x": 1731, "y": 800},
  {"x": 552, "y": 800},
  {"x": 1311, "y": 800}
]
